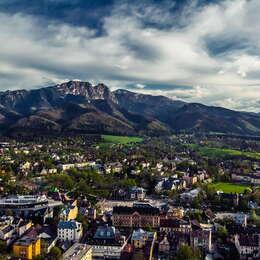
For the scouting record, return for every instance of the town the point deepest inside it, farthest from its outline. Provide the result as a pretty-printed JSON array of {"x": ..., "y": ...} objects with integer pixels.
[{"x": 183, "y": 196}]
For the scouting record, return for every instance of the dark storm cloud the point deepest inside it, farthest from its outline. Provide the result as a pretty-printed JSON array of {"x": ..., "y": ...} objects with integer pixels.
[{"x": 201, "y": 51}]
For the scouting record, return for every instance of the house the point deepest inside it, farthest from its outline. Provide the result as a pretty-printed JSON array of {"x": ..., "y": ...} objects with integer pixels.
[
  {"x": 168, "y": 184},
  {"x": 174, "y": 225},
  {"x": 78, "y": 252},
  {"x": 190, "y": 179},
  {"x": 174, "y": 213},
  {"x": 48, "y": 171},
  {"x": 159, "y": 166},
  {"x": 107, "y": 243},
  {"x": 137, "y": 193},
  {"x": 253, "y": 178},
  {"x": 248, "y": 245},
  {"x": 65, "y": 167},
  {"x": 201, "y": 175},
  {"x": 6, "y": 220},
  {"x": 27, "y": 248},
  {"x": 143, "y": 243},
  {"x": 176, "y": 239},
  {"x": 140, "y": 237},
  {"x": 69, "y": 230},
  {"x": 25, "y": 166},
  {"x": 92, "y": 213},
  {"x": 114, "y": 167},
  {"x": 11, "y": 228},
  {"x": 83, "y": 165},
  {"x": 48, "y": 238},
  {"x": 201, "y": 238},
  {"x": 70, "y": 212},
  {"x": 164, "y": 246},
  {"x": 189, "y": 196},
  {"x": 139, "y": 215},
  {"x": 229, "y": 198},
  {"x": 7, "y": 234},
  {"x": 238, "y": 218}
]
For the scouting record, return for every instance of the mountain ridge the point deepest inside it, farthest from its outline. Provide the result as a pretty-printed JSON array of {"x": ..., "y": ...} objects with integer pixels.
[{"x": 80, "y": 107}]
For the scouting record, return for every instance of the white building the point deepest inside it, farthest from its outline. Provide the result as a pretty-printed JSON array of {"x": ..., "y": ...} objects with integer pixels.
[
  {"x": 69, "y": 230},
  {"x": 238, "y": 218}
]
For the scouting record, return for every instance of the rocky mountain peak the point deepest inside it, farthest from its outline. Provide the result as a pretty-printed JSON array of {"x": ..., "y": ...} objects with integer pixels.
[{"x": 86, "y": 89}]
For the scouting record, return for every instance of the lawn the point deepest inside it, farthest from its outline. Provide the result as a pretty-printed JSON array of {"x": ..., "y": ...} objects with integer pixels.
[
  {"x": 229, "y": 187},
  {"x": 109, "y": 140},
  {"x": 223, "y": 152}
]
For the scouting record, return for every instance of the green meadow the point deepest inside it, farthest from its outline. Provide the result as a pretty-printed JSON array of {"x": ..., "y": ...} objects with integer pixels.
[
  {"x": 222, "y": 152},
  {"x": 110, "y": 140},
  {"x": 229, "y": 187}
]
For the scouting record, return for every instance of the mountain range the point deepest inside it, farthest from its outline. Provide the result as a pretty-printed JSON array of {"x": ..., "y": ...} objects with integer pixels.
[{"x": 80, "y": 107}]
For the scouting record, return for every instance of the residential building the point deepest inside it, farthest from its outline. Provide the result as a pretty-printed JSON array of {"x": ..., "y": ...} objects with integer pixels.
[
  {"x": 69, "y": 230},
  {"x": 22, "y": 226},
  {"x": 7, "y": 234},
  {"x": 65, "y": 167},
  {"x": 201, "y": 238},
  {"x": 229, "y": 198},
  {"x": 140, "y": 237},
  {"x": 70, "y": 211},
  {"x": 140, "y": 215},
  {"x": 164, "y": 246},
  {"x": 248, "y": 245},
  {"x": 92, "y": 213},
  {"x": 107, "y": 243},
  {"x": 175, "y": 213},
  {"x": 189, "y": 196},
  {"x": 190, "y": 179},
  {"x": 114, "y": 167},
  {"x": 78, "y": 252},
  {"x": 27, "y": 248},
  {"x": 143, "y": 243},
  {"x": 238, "y": 218},
  {"x": 137, "y": 193},
  {"x": 48, "y": 238},
  {"x": 174, "y": 225},
  {"x": 171, "y": 183},
  {"x": 253, "y": 178}
]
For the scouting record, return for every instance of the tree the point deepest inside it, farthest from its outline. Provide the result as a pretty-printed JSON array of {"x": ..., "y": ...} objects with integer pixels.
[
  {"x": 185, "y": 252},
  {"x": 55, "y": 253},
  {"x": 149, "y": 228},
  {"x": 196, "y": 214},
  {"x": 222, "y": 233}
]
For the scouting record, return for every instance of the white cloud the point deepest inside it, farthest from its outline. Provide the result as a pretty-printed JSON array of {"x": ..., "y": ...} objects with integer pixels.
[{"x": 35, "y": 52}]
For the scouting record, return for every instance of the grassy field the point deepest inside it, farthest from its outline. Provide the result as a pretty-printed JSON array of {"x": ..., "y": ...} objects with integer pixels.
[
  {"x": 109, "y": 140},
  {"x": 223, "y": 152},
  {"x": 229, "y": 187}
]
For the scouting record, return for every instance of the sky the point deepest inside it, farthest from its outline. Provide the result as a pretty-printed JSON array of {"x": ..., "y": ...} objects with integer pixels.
[{"x": 192, "y": 50}]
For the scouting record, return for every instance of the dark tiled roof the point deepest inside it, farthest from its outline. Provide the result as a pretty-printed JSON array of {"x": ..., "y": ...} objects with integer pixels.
[
  {"x": 248, "y": 240},
  {"x": 173, "y": 223},
  {"x": 105, "y": 232},
  {"x": 26, "y": 240},
  {"x": 67, "y": 225},
  {"x": 141, "y": 210}
]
